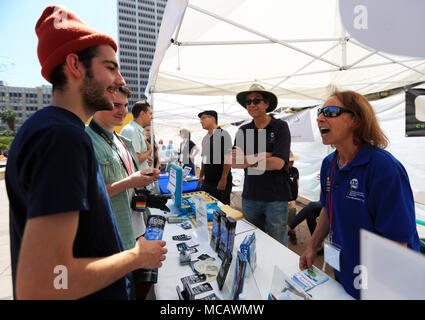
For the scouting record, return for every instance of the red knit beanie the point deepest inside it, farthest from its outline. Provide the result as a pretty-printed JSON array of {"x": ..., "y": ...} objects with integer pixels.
[{"x": 60, "y": 32}]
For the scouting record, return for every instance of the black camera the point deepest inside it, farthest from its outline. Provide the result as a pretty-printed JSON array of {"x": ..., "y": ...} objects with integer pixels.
[{"x": 144, "y": 198}]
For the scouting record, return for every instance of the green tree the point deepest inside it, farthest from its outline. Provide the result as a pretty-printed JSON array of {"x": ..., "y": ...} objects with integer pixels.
[
  {"x": 5, "y": 143},
  {"x": 9, "y": 116}
]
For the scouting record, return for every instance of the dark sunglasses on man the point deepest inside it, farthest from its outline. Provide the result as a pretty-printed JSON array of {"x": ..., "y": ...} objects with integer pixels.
[
  {"x": 332, "y": 111},
  {"x": 253, "y": 101}
]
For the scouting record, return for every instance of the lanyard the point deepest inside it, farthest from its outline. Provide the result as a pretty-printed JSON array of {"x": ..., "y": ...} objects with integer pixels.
[
  {"x": 128, "y": 162},
  {"x": 330, "y": 188},
  {"x": 98, "y": 129}
]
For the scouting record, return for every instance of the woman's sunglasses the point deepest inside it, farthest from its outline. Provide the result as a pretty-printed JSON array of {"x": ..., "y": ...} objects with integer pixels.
[
  {"x": 254, "y": 101},
  {"x": 332, "y": 111}
]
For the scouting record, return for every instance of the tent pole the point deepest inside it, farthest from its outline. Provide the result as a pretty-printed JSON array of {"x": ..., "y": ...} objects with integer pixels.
[
  {"x": 379, "y": 64},
  {"x": 396, "y": 74},
  {"x": 388, "y": 58},
  {"x": 261, "y": 34},
  {"x": 302, "y": 94},
  {"x": 361, "y": 59},
  {"x": 180, "y": 23},
  {"x": 198, "y": 82},
  {"x": 243, "y": 42},
  {"x": 344, "y": 39},
  {"x": 287, "y": 77}
]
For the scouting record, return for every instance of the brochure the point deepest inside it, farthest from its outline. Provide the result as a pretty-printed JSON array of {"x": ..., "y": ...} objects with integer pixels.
[
  {"x": 282, "y": 288},
  {"x": 308, "y": 279}
]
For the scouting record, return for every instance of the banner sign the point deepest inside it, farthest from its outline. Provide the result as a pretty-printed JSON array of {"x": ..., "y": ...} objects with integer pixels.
[
  {"x": 300, "y": 126},
  {"x": 415, "y": 113}
]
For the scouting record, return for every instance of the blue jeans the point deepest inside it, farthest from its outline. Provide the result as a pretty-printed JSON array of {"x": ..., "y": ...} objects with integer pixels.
[{"x": 270, "y": 217}]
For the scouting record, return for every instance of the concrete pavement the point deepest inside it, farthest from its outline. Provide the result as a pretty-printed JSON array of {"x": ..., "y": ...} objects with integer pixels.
[{"x": 6, "y": 291}]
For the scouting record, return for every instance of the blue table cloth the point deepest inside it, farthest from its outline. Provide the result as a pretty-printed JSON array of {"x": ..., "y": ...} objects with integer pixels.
[{"x": 187, "y": 186}]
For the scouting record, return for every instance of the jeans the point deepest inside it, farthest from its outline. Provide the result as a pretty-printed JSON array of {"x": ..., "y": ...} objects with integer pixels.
[
  {"x": 310, "y": 212},
  {"x": 270, "y": 217}
]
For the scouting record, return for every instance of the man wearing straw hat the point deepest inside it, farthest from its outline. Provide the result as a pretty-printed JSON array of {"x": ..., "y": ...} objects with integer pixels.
[{"x": 262, "y": 150}]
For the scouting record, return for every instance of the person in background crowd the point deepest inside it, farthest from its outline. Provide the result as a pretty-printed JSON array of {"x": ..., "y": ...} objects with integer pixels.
[
  {"x": 156, "y": 159},
  {"x": 135, "y": 132},
  {"x": 215, "y": 177},
  {"x": 357, "y": 180},
  {"x": 187, "y": 151},
  {"x": 61, "y": 217},
  {"x": 266, "y": 189},
  {"x": 310, "y": 213},
  {"x": 294, "y": 175},
  {"x": 161, "y": 145}
]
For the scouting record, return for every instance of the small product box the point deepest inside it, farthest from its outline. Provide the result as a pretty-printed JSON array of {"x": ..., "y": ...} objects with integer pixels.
[
  {"x": 227, "y": 236},
  {"x": 239, "y": 279},
  {"x": 194, "y": 288},
  {"x": 248, "y": 248},
  {"x": 155, "y": 227},
  {"x": 216, "y": 229},
  {"x": 175, "y": 219}
]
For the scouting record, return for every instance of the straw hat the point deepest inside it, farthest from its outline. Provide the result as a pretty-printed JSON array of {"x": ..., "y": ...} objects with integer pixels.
[
  {"x": 292, "y": 157},
  {"x": 241, "y": 96}
]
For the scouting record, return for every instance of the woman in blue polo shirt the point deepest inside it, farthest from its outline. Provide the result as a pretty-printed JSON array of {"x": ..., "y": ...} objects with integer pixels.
[{"x": 362, "y": 187}]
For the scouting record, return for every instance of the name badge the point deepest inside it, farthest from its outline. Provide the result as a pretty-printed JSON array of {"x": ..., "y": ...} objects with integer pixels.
[{"x": 332, "y": 255}]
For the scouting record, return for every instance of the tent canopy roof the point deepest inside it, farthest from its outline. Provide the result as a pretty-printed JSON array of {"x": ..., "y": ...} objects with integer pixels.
[{"x": 297, "y": 49}]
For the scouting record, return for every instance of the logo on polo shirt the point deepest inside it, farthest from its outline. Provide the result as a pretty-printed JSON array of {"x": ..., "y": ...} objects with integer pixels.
[
  {"x": 328, "y": 184},
  {"x": 272, "y": 138},
  {"x": 354, "y": 183},
  {"x": 353, "y": 193}
]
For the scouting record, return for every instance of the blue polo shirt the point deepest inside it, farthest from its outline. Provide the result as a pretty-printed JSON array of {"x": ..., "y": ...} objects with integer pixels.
[
  {"x": 52, "y": 169},
  {"x": 371, "y": 192}
]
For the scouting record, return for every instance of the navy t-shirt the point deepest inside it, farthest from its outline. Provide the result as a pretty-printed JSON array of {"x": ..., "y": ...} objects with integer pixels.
[
  {"x": 52, "y": 169},
  {"x": 214, "y": 148},
  {"x": 272, "y": 185}
]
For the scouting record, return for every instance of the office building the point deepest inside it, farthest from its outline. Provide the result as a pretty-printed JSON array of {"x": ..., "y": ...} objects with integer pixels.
[
  {"x": 24, "y": 101},
  {"x": 139, "y": 22}
]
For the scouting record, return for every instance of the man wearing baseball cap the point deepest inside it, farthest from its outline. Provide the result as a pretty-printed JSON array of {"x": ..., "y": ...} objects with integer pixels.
[
  {"x": 215, "y": 176},
  {"x": 262, "y": 149},
  {"x": 64, "y": 238}
]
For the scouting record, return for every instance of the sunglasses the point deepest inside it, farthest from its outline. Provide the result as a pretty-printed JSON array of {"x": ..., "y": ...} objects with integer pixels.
[
  {"x": 253, "y": 101},
  {"x": 332, "y": 111}
]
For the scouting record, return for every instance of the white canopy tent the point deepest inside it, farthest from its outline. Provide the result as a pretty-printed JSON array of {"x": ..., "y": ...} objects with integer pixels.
[
  {"x": 297, "y": 49},
  {"x": 208, "y": 51}
]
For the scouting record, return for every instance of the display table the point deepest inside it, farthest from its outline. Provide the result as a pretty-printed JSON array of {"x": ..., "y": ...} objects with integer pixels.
[
  {"x": 270, "y": 253},
  {"x": 187, "y": 186}
]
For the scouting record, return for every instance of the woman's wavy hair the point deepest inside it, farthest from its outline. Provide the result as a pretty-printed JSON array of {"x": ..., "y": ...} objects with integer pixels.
[{"x": 367, "y": 129}]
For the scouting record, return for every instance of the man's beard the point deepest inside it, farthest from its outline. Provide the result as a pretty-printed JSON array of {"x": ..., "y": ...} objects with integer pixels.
[{"x": 93, "y": 94}]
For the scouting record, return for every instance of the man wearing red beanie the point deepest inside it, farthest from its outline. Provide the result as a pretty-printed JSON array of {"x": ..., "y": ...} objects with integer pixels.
[{"x": 64, "y": 238}]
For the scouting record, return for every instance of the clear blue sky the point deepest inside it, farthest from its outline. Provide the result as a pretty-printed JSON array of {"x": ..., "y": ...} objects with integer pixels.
[{"x": 19, "y": 65}]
